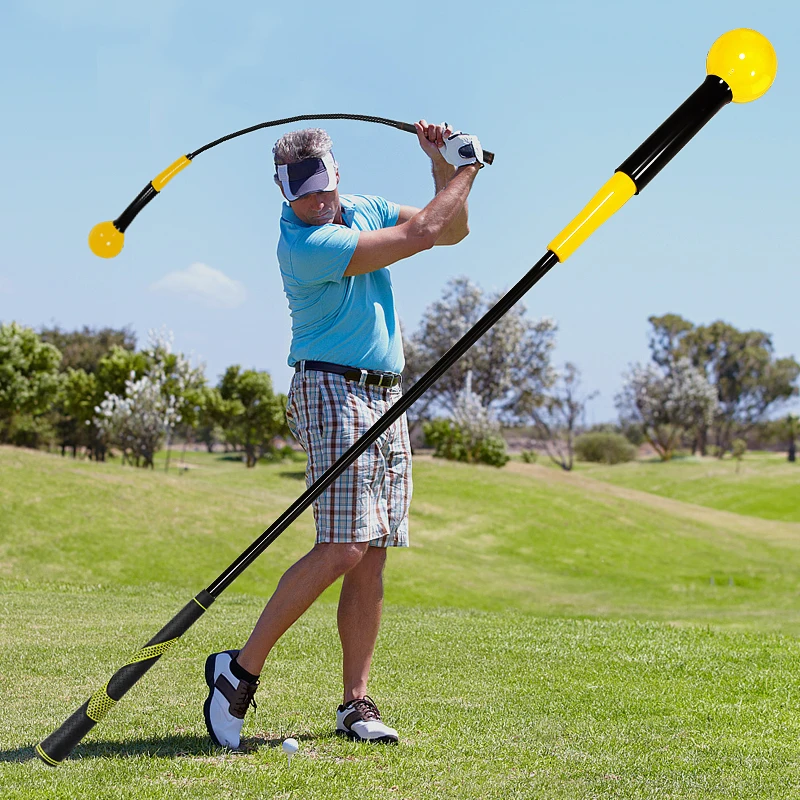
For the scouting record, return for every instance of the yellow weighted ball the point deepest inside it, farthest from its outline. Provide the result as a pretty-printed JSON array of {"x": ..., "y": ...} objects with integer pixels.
[
  {"x": 105, "y": 240},
  {"x": 746, "y": 61}
]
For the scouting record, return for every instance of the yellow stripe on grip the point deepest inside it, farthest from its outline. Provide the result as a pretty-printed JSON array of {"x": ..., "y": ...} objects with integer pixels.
[
  {"x": 41, "y": 753},
  {"x": 610, "y": 199},
  {"x": 153, "y": 651},
  {"x": 163, "y": 178},
  {"x": 100, "y": 704}
]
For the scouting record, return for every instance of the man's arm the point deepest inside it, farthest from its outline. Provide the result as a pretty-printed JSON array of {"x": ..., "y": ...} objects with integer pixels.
[
  {"x": 431, "y": 139},
  {"x": 439, "y": 223},
  {"x": 378, "y": 249},
  {"x": 459, "y": 228}
]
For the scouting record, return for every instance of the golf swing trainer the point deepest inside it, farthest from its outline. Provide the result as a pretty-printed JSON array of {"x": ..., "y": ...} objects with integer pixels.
[
  {"x": 741, "y": 66},
  {"x": 106, "y": 239}
]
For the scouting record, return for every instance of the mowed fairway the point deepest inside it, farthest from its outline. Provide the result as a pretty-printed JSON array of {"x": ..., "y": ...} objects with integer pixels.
[
  {"x": 547, "y": 636},
  {"x": 764, "y": 485}
]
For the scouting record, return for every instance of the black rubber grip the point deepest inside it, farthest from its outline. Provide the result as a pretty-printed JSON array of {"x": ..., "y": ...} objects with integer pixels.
[{"x": 59, "y": 744}]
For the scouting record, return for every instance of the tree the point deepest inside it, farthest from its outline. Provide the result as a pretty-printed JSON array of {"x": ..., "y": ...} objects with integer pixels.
[
  {"x": 139, "y": 420},
  {"x": 29, "y": 384},
  {"x": 666, "y": 338},
  {"x": 257, "y": 414},
  {"x": 556, "y": 414},
  {"x": 749, "y": 380},
  {"x": 83, "y": 349},
  {"x": 78, "y": 399},
  {"x": 513, "y": 355},
  {"x": 160, "y": 387},
  {"x": 666, "y": 402},
  {"x": 741, "y": 365}
]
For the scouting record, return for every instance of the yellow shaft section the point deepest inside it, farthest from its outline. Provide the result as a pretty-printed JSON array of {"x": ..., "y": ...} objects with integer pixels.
[
  {"x": 610, "y": 199},
  {"x": 163, "y": 178}
]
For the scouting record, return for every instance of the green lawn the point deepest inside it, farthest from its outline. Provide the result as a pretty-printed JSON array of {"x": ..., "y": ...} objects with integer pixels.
[
  {"x": 547, "y": 636},
  {"x": 765, "y": 484}
]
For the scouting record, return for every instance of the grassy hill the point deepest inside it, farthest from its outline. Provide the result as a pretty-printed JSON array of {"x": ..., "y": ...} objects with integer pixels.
[
  {"x": 547, "y": 635},
  {"x": 765, "y": 485}
]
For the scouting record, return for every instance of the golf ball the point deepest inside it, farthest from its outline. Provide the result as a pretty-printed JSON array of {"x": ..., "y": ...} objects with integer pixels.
[{"x": 290, "y": 746}]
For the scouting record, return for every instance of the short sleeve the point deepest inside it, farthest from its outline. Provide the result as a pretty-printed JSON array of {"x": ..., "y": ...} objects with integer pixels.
[
  {"x": 383, "y": 213},
  {"x": 323, "y": 254}
]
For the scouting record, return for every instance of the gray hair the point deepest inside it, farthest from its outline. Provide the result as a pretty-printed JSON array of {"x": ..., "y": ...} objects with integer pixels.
[{"x": 298, "y": 145}]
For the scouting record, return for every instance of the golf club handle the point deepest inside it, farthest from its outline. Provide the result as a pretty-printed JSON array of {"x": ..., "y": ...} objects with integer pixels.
[
  {"x": 544, "y": 265},
  {"x": 488, "y": 156},
  {"x": 59, "y": 744}
]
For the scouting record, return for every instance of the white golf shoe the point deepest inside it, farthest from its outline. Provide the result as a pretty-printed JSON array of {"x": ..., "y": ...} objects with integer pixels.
[
  {"x": 228, "y": 700},
  {"x": 360, "y": 719}
]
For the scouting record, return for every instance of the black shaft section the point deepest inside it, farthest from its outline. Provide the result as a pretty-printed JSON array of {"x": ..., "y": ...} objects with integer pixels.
[
  {"x": 129, "y": 214},
  {"x": 59, "y": 744},
  {"x": 541, "y": 268},
  {"x": 488, "y": 157},
  {"x": 659, "y": 148}
]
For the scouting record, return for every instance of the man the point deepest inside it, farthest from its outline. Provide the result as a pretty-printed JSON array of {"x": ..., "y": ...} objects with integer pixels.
[{"x": 348, "y": 355}]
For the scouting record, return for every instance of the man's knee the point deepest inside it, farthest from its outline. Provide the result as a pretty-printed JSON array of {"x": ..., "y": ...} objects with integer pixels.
[{"x": 342, "y": 557}]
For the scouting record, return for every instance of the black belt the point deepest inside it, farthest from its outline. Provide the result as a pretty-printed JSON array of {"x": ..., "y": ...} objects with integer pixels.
[{"x": 365, "y": 377}]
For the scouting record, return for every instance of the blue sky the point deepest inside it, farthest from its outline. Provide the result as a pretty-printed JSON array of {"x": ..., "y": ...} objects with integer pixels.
[{"x": 99, "y": 96}]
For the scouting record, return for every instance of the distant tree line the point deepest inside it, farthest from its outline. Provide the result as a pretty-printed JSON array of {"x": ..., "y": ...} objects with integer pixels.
[
  {"x": 710, "y": 389},
  {"x": 708, "y": 384},
  {"x": 91, "y": 390}
]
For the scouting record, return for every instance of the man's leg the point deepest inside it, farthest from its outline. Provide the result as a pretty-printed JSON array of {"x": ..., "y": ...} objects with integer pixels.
[
  {"x": 299, "y": 587},
  {"x": 359, "y": 618},
  {"x": 360, "y": 606},
  {"x": 231, "y": 676}
]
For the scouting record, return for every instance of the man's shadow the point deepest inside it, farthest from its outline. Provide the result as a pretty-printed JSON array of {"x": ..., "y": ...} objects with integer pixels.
[{"x": 166, "y": 746}]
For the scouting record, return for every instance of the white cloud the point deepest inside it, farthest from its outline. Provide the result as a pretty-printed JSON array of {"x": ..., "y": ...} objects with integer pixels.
[{"x": 203, "y": 283}]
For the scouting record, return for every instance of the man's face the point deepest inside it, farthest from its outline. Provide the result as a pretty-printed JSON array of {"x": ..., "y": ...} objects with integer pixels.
[{"x": 317, "y": 208}]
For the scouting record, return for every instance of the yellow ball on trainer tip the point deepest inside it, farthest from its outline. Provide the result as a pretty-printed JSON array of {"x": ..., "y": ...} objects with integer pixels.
[
  {"x": 105, "y": 240},
  {"x": 746, "y": 61}
]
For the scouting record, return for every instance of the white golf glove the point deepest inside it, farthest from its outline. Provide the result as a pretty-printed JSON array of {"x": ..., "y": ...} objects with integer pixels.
[{"x": 462, "y": 148}]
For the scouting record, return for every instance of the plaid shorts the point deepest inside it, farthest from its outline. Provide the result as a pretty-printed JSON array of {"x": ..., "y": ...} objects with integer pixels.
[{"x": 369, "y": 501}]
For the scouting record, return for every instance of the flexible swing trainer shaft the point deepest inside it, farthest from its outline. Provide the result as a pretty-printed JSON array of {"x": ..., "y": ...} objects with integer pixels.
[
  {"x": 106, "y": 239},
  {"x": 747, "y": 61}
]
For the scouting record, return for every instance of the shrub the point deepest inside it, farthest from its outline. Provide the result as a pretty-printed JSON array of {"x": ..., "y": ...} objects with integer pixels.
[
  {"x": 634, "y": 434},
  {"x": 604, "y": 448},
  {"x": 529, "y": 456},
  {"x": 451, "y": 441},
  {"x": 738, "y": 449}
]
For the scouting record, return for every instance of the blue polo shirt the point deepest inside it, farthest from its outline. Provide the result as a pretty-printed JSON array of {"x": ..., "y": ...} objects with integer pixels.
[{"x": 346, "y": 320}]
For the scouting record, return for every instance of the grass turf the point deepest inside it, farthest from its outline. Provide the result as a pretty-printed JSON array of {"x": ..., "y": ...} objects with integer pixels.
[
  {"x": 764, "y": 485},
  {"x": 526, "y": 650}
]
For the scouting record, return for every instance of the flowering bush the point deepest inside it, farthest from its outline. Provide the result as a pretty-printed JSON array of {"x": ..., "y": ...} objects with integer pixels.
[
  {"x": 473, "y": 435},
  {"x": 139, "y": 420},
  {"x": 667, "y": 403}
]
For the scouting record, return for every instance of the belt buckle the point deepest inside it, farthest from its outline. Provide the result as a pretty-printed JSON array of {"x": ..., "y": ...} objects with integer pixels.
[{"x": 362, "y": 381}]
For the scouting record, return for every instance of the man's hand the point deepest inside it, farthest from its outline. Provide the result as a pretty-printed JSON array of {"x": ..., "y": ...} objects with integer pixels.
[
  {"x": 460, "y": 149},
  {"x": 432, "y": 139}
]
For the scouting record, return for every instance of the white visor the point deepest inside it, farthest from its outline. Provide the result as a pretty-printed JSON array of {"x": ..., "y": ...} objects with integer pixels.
[{"x": 307, "y": 176}]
